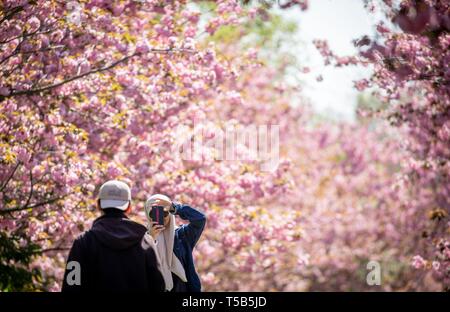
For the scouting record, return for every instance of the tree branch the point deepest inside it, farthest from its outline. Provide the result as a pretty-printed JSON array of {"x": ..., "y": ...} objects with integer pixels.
[
  {"x": 40, "y": 251},
  {"x": 94, "y": 71},
  {"x": 10, "y": 176},
  {"x": 30, "y": 195},
  {"x": 10, "y": 14},
  {"x": 24, "y": 207}
]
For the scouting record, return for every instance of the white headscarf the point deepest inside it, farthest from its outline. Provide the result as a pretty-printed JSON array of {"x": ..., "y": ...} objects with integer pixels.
[{"x": 168, "y": 261}]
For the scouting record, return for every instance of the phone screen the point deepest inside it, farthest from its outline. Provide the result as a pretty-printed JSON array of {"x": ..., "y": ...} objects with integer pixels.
[{"x": 157, "y": 214}]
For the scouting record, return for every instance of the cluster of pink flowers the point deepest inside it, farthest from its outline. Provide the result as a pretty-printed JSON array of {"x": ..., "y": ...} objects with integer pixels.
[
  {"x": 412, "y": 66},
  {"x": 411, "y": 78},
  {"x": 82, "y": 103}
]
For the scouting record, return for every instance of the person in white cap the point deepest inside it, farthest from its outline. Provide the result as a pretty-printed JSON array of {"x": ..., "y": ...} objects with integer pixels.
[
  {"x": 113, "y": 255},
  {"x": 174, "y": 245},
  {"x": 115, "y": 194}
]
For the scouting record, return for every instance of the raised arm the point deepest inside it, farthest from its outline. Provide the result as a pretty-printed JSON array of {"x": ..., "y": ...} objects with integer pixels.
[{"x": 197, "y": 221}]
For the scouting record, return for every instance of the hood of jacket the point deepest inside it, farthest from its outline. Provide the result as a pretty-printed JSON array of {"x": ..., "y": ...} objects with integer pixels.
[{"x": 116, "y": 231}]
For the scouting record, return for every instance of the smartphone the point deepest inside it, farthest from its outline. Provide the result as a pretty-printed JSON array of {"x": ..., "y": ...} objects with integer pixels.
[{"x": 157, "y": 214}]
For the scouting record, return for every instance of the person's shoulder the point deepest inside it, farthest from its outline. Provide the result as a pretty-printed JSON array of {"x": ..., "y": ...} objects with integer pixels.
[
  {"x": 83, "y": 236},
  {"x": 134, "y": 223}
]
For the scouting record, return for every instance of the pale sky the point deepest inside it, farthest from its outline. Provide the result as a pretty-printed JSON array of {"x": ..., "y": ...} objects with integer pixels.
[{"x": 339, "y": 22}]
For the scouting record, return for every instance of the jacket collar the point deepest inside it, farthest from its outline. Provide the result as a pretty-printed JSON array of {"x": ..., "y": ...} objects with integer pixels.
[{"x": 113, "y": 213}]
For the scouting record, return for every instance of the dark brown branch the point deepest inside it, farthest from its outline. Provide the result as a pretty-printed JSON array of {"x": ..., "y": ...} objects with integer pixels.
[
  {"x": 24, "y": 207},
  {"x": 10, "y": 176},
  {"x": 11, "y": 71},
  {"x": 40, "y": 251},
  {"x": 30, "y": 195},
  {"x": 26, "y": 35},
  {"x": 43, "y": 50},
  {"x": 13, "y": 53},
  {"x": 10, "y": 14},
  {"x": 94, "y": 71}
]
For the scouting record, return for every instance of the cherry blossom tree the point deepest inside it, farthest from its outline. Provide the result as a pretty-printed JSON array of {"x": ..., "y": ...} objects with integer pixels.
[
  {"x": 95, "y": 96},
  {"x": 95, "y": 90},
  {"x": 412, "y": 71}
]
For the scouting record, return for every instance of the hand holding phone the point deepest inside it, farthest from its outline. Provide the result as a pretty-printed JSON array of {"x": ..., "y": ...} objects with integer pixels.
[{"x": 156, "y": 229}]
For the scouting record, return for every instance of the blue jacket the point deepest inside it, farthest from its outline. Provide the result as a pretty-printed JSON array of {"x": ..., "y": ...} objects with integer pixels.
[{"x": 186, "y": 236}]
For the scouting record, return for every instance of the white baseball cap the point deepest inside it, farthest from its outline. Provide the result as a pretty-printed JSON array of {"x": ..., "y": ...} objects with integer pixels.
[{"x": 114, "y": 194}]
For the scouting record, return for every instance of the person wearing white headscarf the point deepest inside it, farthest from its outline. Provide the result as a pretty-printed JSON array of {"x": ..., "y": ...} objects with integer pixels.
[{"x": 174, "y": 245}]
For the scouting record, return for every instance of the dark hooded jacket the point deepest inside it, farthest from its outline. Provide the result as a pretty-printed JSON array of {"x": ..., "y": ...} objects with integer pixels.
[{"x": 113, "y": 256}]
